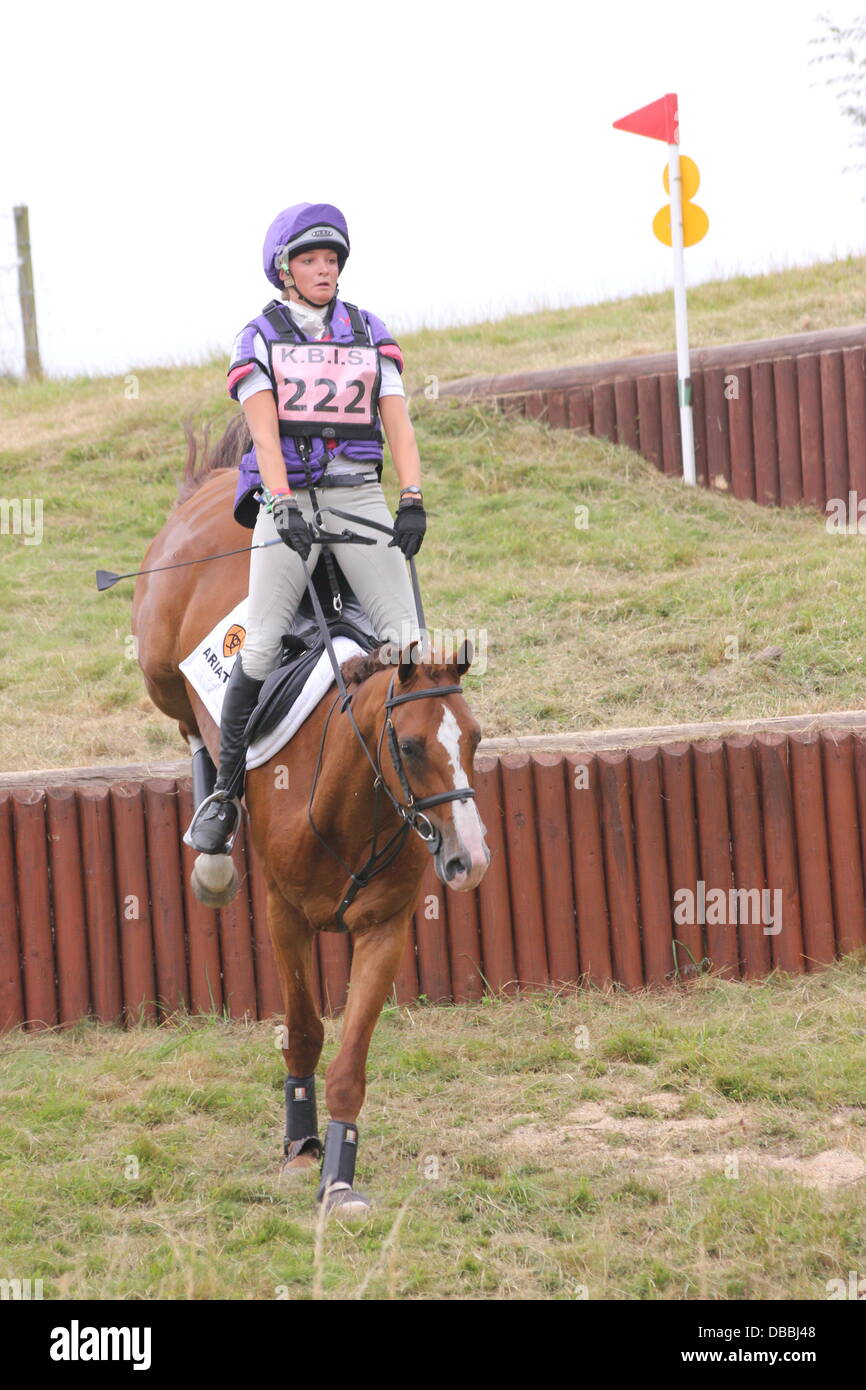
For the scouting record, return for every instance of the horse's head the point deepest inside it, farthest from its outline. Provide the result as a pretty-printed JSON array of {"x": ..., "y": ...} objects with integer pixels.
[{"x": 430, "y": 740}]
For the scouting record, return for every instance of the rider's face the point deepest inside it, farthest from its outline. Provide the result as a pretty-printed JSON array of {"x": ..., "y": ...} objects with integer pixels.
[{"x": 315, "y": 273}]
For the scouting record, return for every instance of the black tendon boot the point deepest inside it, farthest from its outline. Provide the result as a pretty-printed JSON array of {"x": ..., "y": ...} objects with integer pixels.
[
  {"x": 338, "y": 1172},
  {"x": 302, "y": 1129},
  {"x": 215, "y": 820}
]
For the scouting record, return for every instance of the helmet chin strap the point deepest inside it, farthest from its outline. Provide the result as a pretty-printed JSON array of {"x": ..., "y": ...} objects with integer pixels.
[{"x": 293, "y": 286}]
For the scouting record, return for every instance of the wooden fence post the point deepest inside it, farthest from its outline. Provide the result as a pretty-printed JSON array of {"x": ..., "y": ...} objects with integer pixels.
[{"x": 26, "y": 295}]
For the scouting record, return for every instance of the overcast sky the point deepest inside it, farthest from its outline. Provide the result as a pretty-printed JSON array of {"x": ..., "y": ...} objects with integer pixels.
[{"x": 469, "y": 145}]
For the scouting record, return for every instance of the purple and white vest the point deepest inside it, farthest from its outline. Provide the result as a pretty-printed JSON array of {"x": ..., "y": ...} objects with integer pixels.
[{"x": 326, "y": 392}]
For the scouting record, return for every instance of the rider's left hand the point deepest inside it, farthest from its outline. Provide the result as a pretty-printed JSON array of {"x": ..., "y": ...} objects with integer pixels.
[{"x": 410, "y": 523}]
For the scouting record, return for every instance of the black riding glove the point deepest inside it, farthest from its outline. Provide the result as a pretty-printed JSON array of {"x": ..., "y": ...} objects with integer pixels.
[
  {"x": 291, "y": 527},
  {"x": 410, "y": 523}
]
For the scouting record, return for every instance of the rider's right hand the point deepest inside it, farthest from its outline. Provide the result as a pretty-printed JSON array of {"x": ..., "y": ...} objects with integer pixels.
[{"x": 291, "y": 527}]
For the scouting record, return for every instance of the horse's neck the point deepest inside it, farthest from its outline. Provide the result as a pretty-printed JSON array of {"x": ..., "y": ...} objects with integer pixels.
[{"x": 346, "y": 769}]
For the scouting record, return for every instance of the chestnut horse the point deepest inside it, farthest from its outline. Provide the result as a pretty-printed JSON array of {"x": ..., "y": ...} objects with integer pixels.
[{"x": 432, "y": 740}]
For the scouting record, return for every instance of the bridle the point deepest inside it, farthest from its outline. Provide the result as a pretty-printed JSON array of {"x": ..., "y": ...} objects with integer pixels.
[{"x": 411, "y": 813}]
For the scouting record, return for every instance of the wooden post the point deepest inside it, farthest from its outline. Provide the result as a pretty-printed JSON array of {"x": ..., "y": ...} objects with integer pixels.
[{"x": 25, "y": 294}]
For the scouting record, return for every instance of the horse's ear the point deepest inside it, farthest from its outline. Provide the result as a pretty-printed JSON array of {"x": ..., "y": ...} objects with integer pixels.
[
  {"x": 409, "y": 658},
  {"x": 465, "y": 653}
]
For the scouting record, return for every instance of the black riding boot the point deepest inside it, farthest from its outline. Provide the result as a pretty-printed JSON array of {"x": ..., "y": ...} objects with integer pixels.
[{"x": 210, "y": 831}]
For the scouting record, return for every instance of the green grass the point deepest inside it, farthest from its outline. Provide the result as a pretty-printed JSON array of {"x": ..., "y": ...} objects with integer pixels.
[
  {"x": 803, "y": 299},
  {"x": 652, "y": 614},
  {"x": 714, "y": 1160}
]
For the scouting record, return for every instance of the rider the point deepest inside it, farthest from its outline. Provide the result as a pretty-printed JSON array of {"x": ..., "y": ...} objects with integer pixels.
[{"x": 314, "y": 417}]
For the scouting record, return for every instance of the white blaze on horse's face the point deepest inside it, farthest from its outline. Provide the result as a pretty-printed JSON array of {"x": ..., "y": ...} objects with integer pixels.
[{"x": 463, "y": 836}]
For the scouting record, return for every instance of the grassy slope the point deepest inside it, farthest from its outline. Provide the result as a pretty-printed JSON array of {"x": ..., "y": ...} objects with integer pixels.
[
  {"x": 627, "y": 622},
  {"x": 606, "y": 1168},
  {"x": 708, "y": 1142}
]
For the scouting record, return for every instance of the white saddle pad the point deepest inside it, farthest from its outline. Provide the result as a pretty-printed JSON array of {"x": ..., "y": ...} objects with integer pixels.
[{"x": 208, "y": 668}]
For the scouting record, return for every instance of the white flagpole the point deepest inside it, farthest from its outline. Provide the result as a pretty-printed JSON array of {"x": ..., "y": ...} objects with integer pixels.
[{"x": 684, "y": 385}]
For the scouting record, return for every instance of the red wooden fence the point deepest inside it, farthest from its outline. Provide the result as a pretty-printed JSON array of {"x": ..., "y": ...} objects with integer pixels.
[
  {"x": 777, "y": 421},
  {"x": 594, "y": 855}
]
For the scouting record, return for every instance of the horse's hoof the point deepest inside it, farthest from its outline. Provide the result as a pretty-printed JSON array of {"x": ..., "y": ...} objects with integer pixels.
[
  {"x": 214, "y": 879},
  {"x": 299, "y": 1155},
  {"x": 302, "y": 1164},
  {"x": 344, "y": 1204}
]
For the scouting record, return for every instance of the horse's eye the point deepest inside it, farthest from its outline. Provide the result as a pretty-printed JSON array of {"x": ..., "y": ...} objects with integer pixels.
[{"x": 410, "y": 747}]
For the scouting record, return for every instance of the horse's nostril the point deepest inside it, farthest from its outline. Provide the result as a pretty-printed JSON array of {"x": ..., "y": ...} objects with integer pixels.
[{"x": 459, "y": 864}]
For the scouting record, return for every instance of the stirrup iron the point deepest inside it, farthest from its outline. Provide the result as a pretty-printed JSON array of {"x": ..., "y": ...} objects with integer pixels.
[{"x": 215, "y": 796}]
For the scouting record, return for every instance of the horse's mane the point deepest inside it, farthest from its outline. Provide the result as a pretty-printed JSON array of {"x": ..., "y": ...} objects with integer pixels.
[
  {"x": 359, "y": 668},
  {"x": 226, "y": 453}
]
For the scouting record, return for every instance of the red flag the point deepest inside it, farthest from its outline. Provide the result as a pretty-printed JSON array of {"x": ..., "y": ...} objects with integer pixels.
[{"x": 659, "y": 120}]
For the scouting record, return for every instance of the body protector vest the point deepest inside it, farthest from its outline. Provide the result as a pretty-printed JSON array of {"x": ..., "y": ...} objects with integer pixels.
[{"x": 326, "y": 392}]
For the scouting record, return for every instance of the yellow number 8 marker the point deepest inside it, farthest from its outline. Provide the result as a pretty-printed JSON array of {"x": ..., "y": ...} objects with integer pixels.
[{"x": 696, "y": 224}]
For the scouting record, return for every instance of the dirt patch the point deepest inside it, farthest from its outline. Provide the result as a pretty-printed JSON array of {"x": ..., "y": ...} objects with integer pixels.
[
  {"x": 677, "y": 1145},
  {"x": 828, "y": 1170}
]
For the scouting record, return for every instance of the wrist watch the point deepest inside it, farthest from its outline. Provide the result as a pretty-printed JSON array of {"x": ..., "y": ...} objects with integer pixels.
[{"x": 413, "y": 488}]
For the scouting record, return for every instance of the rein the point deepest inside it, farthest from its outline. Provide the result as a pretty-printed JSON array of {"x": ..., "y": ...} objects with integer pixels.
[{"x": 412, "y": 812}]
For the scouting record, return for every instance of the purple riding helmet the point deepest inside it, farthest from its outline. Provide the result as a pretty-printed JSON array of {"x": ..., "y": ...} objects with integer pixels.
[{"x": 305, "y": 224}]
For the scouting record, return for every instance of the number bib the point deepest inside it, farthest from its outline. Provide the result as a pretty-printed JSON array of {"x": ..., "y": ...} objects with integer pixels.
[{"x": 326, "y": 389}]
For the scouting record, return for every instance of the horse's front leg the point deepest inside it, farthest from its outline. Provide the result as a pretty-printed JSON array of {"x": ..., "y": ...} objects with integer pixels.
[
  {"x": 304, "y": 1032},
  {"x": 377, "y": 952}
]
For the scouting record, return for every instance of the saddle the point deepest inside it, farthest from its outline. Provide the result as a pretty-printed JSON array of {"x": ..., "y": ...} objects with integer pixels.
[{"x": 302, "y": 646}]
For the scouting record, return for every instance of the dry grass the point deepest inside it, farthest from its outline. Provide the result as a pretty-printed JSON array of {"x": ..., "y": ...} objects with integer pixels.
[{"x": 707, "y": 1141}]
